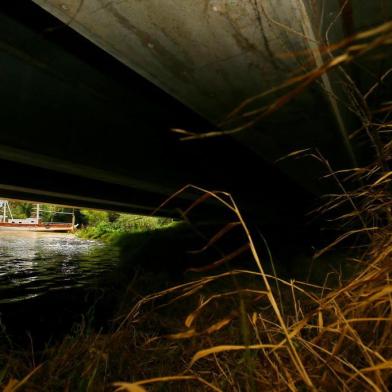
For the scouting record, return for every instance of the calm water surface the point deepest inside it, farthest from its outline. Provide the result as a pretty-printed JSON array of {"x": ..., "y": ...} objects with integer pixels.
[{"x": 34, "y": 264}]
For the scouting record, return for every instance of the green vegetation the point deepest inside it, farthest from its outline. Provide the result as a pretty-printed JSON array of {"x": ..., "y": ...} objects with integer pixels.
[
  {"x": 93, "y": 224},
  {"x": 108, "y": 226},
  {"x": 48, "y": 212},
  {"x": 21, "y": 209}
]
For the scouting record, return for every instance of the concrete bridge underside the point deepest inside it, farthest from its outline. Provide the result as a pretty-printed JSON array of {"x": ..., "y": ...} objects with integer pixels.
[{"x": 81, "y": 124}]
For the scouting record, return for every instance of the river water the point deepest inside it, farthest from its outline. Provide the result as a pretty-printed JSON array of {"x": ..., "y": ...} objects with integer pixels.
[{"x": 48, "y": 279}]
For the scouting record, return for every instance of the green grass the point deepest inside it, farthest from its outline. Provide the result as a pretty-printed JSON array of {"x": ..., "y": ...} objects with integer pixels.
[{"x": 104, "y": 229}]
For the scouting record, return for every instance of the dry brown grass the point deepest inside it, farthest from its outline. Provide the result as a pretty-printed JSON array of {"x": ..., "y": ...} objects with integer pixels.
[
  {"x": 332, "y": 57},
  {"x": 247, "y": 330},
  {"x": 319, "y": 338},
  {"x": 295, "y": 335}
]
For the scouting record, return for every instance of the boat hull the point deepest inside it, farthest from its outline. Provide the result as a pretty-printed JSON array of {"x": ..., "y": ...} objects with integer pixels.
[{"x": 56, "y": 227}]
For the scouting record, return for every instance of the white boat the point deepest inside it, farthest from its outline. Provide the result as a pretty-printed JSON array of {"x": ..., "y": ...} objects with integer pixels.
[{"x": 9, "y": 223}]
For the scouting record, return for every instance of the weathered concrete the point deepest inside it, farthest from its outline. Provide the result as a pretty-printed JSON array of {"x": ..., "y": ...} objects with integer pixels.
[
  {"x": 79, "y": 128},
  {"x": 214, "y": 54}
]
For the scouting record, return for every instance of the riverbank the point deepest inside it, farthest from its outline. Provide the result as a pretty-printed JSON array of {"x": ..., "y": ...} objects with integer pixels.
[
  {"x": 232, "y": 323},
  {"x": 107, "y": 226},
  {"x": 225, "y": 331}
]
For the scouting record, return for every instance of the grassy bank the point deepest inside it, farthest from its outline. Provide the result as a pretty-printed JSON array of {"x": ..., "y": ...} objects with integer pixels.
[
  {"x": 238, "y": 329},
  {"x": 108, "y": 226},
  {"x": 228, "y": 331},
  {"x": 232, "y": 323}
]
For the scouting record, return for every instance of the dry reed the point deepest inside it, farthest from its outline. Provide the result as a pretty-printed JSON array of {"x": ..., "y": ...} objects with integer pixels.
[
  {"x": 265, "y": 333},
  {"x": 326, "y": 339}
]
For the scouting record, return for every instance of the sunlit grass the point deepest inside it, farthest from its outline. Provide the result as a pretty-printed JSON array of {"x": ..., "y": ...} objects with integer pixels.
[{"x": 103, "y": 228}]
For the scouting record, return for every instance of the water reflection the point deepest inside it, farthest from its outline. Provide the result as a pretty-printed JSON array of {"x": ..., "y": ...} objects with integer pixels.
[{"x": 32, "y": 264}]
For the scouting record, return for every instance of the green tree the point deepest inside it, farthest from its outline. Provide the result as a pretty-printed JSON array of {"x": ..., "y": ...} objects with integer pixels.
[{"x": 21, "y": 209}]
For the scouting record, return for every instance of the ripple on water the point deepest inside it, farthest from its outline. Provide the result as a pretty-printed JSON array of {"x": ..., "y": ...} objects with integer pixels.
[{"x": 32, "y": 264}]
